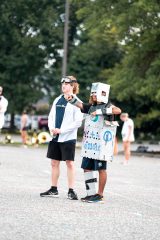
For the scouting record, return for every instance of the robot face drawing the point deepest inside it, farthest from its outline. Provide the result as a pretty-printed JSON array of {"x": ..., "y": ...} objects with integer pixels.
[{"x": 101, "y": 90}]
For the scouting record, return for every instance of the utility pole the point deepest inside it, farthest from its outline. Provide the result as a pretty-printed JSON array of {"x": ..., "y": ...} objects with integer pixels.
[{"x": 65, "y": 43}]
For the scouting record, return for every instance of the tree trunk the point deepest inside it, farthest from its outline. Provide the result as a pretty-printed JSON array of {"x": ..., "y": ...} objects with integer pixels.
[{"x": 12, "y": 126}]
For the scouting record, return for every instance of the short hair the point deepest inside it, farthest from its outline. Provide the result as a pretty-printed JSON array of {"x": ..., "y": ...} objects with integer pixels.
[
  {"x": 74, "y": 84},
  {"x": 124, "y": 115}
]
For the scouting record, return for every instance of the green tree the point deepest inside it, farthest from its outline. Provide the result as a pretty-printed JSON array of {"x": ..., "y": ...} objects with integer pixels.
[
  {"x": 88, "y": 56},
  {"x": 87, "y": 61},
  {"x": 135, "y": 27},
  {"x": 31, "y": 36}
]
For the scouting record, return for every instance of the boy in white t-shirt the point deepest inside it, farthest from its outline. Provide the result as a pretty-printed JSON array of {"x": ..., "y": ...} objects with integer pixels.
[{"x": 127, "y": 135}]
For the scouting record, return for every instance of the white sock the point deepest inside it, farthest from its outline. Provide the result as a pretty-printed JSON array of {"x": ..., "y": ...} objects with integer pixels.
[{"x": 90, "y": 182}]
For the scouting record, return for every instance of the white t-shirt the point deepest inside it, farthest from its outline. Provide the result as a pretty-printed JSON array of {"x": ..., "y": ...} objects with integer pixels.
[
  {"x": 3, "y": 108},
  {"x": 125, "y": 130}
]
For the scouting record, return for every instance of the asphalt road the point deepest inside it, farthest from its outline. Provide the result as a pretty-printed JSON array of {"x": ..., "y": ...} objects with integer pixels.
[{"x": 131, "y": 210}]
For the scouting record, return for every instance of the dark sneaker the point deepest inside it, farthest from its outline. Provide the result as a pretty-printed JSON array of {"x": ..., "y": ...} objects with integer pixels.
[
  {"x": 50, "y": 193},
  {"x": 85, "y": 199},
  {"x": 72, "y": 195},
  {"x": 96, "y": 198}
]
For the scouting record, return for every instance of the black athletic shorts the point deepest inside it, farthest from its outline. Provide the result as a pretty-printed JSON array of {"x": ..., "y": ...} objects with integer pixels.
[
  {"x": 61, "y": 151},
  {"x": 92, "y": 164}
]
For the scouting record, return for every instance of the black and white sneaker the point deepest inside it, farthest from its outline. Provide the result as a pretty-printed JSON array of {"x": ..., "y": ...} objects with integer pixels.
[
  {"x": 50, "y": 193},
  {"x": 85, "y": 199},
  {"x": 96, "y": 199},
  {"x": 72, "y": 195}
]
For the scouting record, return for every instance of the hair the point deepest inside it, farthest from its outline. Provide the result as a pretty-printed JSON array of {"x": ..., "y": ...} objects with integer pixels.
[
  {"x": 75, "y": 85},
  {"x": 91, "y": 100},
  {"x": 124, "y": 115}
]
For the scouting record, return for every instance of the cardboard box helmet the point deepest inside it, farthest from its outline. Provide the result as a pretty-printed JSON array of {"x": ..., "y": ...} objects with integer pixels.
[{"x": 101, "y": 90}]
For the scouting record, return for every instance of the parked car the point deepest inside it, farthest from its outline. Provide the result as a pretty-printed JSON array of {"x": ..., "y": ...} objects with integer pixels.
[
  {"x": 35, "y": 122},
  {"x": 43, "y": 123}
]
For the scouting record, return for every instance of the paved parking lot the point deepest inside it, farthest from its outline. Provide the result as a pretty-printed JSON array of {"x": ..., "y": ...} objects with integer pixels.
[{"x": 131, "y": 210}]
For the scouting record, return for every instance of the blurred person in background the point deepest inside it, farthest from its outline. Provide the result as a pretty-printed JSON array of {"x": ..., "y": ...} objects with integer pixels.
[
  {"x": 3, "y": 107},
  {"x": 24, "y": 127},
  {"x": 127, "y": 135}
]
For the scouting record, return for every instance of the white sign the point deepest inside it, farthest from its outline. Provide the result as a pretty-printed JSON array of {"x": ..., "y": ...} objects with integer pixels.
[{"x": 98, "y": 139}]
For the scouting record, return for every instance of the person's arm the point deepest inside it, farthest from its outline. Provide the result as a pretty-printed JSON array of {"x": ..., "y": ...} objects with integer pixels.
[
  {"x": 108, "y": 110},
  {"x": 84, "y": 107},
  {"x": 115, "y": 110},
  {"x": 74, "y": 100},
  {"x": 51, "y": 118}
]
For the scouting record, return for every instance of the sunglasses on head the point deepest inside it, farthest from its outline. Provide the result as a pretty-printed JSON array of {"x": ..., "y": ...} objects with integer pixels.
[{"x": 67, "y": 80}]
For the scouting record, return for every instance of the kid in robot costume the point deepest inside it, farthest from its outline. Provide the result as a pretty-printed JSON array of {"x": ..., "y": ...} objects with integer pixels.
[{"x": 98, "y": 138}]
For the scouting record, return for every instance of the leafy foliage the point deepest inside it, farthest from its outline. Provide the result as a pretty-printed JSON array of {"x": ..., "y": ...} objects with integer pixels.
[
  {"x": 31, "y": 34},
  {"x": 135, "y": 80},
  {"x": 116, "y": 42}
]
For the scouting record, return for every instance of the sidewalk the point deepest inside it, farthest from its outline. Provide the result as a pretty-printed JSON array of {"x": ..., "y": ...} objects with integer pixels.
[{"x": 134, "y": 146}]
